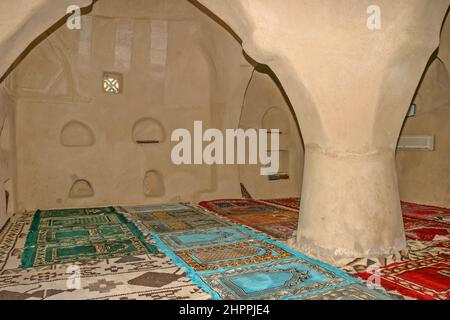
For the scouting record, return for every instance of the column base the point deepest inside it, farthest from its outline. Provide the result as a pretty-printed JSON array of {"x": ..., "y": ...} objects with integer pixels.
[{"x": 350, "y": 206}]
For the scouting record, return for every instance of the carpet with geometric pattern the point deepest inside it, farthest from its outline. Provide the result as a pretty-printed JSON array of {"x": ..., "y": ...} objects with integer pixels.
[{"x": 67, "y": 236}]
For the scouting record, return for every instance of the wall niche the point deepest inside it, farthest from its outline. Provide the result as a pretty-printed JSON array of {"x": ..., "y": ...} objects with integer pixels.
[
  {"x": 153, "y": 184},
  {"x": 77, "y": 134},
  {"x": 275, "y": 118},
  {"x": 81, "y": 189},
  {"x": 148, "y": 131}
]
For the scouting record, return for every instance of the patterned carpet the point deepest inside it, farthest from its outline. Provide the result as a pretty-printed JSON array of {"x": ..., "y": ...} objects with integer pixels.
[
  {"x": 68, "y": 236},
  {"x": 423, "y": 272},
  {"x": 280, "y": 223},
  {"x": 232, "y": 262},
  {"x": 420, "y": 272},
  {"x": 136, "y": 277},
  {"x": 291, "y": 203},
  {"x": 202, "y": 256}
]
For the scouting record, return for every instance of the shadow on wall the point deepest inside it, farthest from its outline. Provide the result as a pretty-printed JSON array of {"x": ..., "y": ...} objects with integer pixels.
[
  {"x": 266, "y": 106},
  {"x": 9, "y": 197}
]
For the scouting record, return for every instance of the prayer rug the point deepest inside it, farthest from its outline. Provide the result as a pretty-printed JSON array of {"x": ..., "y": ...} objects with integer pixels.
[
  {"x": 258, "y": 268},
  {"x": 201, "y": 238},
  {"x": 177, "y": 220},
  {"x": 427, "y": 278},
  {"x": 136, "y": 277},
  {"x": 146, "y": 276},
  {"x": 57, "y": 237},
  {"x": 292, "y": 203},
  {"x": 153, "y": 208},
  {"x": 281, "y": 231},
  {"x": 232, "y": 255},
  {"x": 415, "y": 250},
  {"x": 255, "y": 219},
  {"x": 426, "y": 230},
  {"x": 294, "y": 278},
  {"x": 238, "y": 206},
  {"x": 423, "y": 212},
  {"x": 352, "y": 292},
  {"x": 278, "y": 223}
]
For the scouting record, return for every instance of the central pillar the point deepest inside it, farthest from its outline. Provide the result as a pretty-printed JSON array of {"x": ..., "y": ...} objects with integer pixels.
[
  {"x": 350, "y": 205},
  {"x": 350, "y": 69}
]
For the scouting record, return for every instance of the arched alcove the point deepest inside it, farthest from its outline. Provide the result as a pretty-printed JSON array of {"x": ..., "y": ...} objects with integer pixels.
[
  {"x": 266, "y": 107},
  {"x": 148, "y": 131},
  {"x": 275, "y": 118},
  {"x": 153, "y": 184},
  {"x": 77, "y": 134},
  {"x": 81, "y": 189}
]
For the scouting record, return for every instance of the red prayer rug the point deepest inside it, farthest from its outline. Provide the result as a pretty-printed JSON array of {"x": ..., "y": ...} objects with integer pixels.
[
  {"x": 426, "y": 230},
  {"x": 292, "y": 203},
  {"x": 424, "y": 212},
  {"x": 424, "y": 279}
]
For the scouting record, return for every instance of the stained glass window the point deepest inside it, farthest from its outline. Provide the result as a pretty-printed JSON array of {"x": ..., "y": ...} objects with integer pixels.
[{"x": 112, "y": 82}]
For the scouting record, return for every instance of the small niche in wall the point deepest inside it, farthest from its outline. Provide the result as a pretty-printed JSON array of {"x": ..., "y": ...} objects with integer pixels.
[
  {"x": 153, "y": 184},
  {"x": 275, "y": 118},
  {"x": 148, "y": 131},
  {"x": 81, "y": 189},
  {"x": 283, "y": 169},
  {"x": 76, "y": 134}
]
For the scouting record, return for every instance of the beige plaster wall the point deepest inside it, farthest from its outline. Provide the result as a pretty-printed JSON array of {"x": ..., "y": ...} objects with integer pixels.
[
  {"x": 265, "y": 107},
  {"x": 424, "y": 176},
  {"x": 200, "y": 75},
  {"x": 7, "y": 156}
]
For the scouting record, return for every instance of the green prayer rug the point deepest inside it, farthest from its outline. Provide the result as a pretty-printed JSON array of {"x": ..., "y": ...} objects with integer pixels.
[{"x": 69, "y": 236}]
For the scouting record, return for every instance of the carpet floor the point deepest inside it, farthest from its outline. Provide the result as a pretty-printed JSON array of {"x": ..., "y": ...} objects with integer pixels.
[
  {"x": 68, "y": 236},
  {"x": 280, "y": 223},
  {"x": 232, "y": 262},
  {"x": 135, "y": 275},
  {"x": 422, "y": 271},
  {"x": 183, "y": 251}
]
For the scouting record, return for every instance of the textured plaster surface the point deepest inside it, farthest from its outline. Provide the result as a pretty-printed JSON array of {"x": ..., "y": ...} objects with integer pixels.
[{"x": 424, "y": 177}]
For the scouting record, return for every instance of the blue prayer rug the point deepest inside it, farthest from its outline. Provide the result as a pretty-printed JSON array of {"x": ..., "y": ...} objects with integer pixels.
[
  {"x": 282, "y": 274},
  {"x": 185, "y": 240}
]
